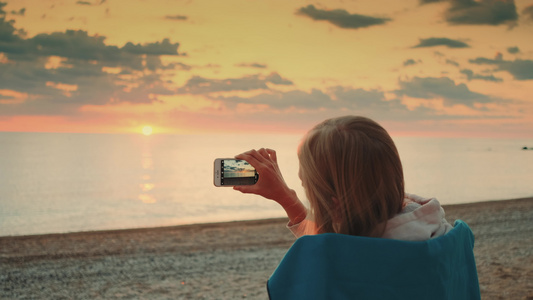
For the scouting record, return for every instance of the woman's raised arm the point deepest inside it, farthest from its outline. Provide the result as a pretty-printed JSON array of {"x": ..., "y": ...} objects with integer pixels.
[{"x": 271, "y": 184}]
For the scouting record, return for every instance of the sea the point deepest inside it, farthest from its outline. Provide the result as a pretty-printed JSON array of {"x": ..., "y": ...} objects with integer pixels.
[{"x": 71, "y": 182}]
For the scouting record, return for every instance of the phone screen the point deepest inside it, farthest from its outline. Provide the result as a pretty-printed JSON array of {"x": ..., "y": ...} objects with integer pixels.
[{"x": 237, "y": 172}]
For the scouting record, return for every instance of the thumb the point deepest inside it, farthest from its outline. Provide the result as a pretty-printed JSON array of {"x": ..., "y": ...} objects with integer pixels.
[{"x": 243, "y": 188}]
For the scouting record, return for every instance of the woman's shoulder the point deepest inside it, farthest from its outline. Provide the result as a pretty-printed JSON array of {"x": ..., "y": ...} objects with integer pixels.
[{"x": 421, "y": 219}]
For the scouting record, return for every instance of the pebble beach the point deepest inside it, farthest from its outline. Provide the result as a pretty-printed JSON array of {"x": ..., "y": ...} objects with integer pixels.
[{"x": 230, "y": 260}]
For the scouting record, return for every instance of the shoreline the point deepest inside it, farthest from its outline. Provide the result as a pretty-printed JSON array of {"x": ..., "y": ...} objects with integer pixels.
[
  {"x": 229, "y": 223},
  {"x": 230, "y": 260}
]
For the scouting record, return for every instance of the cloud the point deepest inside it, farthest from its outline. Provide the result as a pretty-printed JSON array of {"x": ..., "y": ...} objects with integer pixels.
[
  {"x": 441, "y": 88},
  {"x": 177, "y": 17},
  {"x": 77, "y": 44},
  {"x": 88, "y": 3},
  {"x": 200, "y": 85},
  {"x": 528, "y": 12},
  {"x": 20, "y": 12},
  {"x": 484, "y": 12},
  {"x": 90, "y": 86},
  {"x": 485, "y": 61},
  {"x": 341, "y": 18},
  {"x": 283, "y": 100},
  {"x": 158, "y": 48},
  {"x": 452, "y": 62},
  {"x": 275, "y": 78},
  {"x": 252, "y": 65},
  {"x": 470, "y": 75},
  {"x": 337, "y": 98},
  {"x": 374, "y": 100},
  {"x": 513, "y": 50},
  {"x": 433, "y": 42},
  {"x": 410, "y": 62},
  {"x": 422, "y": 2},
  {"x": 63, "y": 71},
  {"x": 520, "y": 69}
]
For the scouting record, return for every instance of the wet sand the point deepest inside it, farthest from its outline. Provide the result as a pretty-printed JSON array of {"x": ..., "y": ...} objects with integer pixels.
[{"x": 229, "y": 260}]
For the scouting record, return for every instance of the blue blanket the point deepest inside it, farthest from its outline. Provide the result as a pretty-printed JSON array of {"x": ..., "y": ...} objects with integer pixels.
[{"x": 336, "y": 266}]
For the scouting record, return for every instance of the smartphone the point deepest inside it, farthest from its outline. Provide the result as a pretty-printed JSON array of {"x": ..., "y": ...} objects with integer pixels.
[{"x": 231, "y": 171}]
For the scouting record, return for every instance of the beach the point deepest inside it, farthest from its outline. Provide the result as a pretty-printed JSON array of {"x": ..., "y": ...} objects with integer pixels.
[{"x": 230, "y": 260}]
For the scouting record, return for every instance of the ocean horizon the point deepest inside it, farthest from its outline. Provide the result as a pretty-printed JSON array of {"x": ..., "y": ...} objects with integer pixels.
[{"x": 70, "y": 182}]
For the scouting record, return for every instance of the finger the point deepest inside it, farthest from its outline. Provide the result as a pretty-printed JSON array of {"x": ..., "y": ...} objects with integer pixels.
[
  {"x": 241, "y": 156},
  {"x": 245, "y": 189},
  {"x": 272, "y": 154},
  {"x": 264, "y": 153},
  {"x": 246, "y": 155},
  {"x": 257, "y": 161},
  {"x": 257, "y": 155},
  {"x": 250, "y": 159}
]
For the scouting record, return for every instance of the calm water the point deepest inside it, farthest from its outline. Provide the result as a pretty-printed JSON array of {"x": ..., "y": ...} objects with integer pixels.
[{"x": 58, "y": 182}]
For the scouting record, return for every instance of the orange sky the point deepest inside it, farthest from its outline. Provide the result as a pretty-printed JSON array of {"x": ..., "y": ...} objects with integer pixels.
[{"x": 445, "y": 68}]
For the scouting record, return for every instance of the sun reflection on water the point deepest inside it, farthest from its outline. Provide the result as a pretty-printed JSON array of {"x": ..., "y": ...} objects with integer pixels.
[{"x": 147, "y": 186}]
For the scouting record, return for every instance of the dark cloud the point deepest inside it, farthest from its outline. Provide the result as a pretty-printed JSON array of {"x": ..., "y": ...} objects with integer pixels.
[
  {"x": 433, "y": 42},
  {"x": 275, "y": 78},
  {"x": 252, "y": 65},
  {"x": 88, "y": 3},
  {"x": 528, "y": 12},
  {"x": 341, "y": 18},
  {"x": 470, "y": 75},
  {"x": 20, "y": 12},
  {"x": 200, "y": 85},
  {"x": 373, "y": 100},
  {"x": 409, "y": 62},
  {"x": 91, "y": 85},
  {"x": 178, "y": 66},
  {"x": 335, "y": 98},
  {"x": 283, "y": 100},
  {"x": 443, "y": 87},
  {"x": 73, "y": 44},
  {"x": 483, "y": 12},
  {"x": 8, "y": 32},
  {"x": 431, "y": 1},
  {"x": 452, "y": 62},
  {"x": 513, "y": 50},
  {"x": 36, "y": 80},
  {"x": 480, "y": 12},
  {"x": 520, "y": 69},
  {"x": 177, "y": 18},
  {"x": 485, "y": 61},
  {"x": 79, "y": 72},
  {"x": 158, "y": 48},
  {"x": 77, "y": 44}
]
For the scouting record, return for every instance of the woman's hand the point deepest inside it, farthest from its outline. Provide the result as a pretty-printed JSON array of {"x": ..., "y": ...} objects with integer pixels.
[{"x": 271, "y": 184}]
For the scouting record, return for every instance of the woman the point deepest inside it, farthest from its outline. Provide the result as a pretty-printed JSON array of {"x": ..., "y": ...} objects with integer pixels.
[{"x": 353, "y": 178}]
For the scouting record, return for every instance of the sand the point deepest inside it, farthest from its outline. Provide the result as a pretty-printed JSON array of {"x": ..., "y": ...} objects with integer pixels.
[{"x": 229, "y": 260}]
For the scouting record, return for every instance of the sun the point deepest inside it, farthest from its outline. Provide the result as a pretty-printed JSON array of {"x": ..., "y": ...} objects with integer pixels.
[{"x": 147, "y": 130}]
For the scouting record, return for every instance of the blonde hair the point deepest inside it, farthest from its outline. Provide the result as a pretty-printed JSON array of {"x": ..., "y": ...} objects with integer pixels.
[{"x": 352, "y": 175}]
